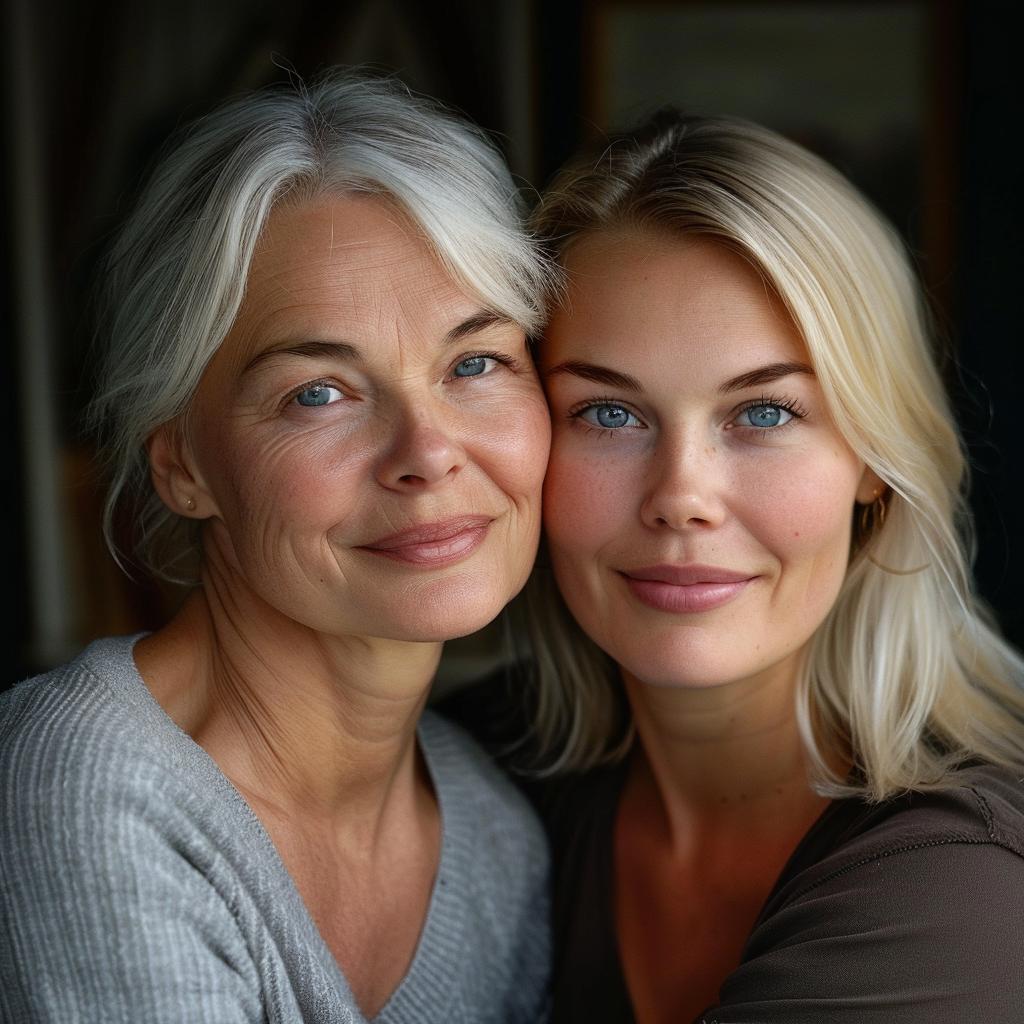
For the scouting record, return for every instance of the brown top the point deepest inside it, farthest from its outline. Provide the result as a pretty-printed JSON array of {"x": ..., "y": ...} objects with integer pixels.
[{"x": 911, "y": 910}]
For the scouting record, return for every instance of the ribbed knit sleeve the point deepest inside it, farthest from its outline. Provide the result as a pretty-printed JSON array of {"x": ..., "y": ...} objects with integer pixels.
[{"x": 136, "y": 885}]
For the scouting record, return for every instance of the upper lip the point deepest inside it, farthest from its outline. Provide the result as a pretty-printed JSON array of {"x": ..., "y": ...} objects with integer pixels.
[
  {"x": 687, "y": 575},
  {"x": 429, "y": 533}
]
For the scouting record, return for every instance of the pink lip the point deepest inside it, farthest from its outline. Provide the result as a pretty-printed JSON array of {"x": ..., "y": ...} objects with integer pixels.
[
  {"x": 686, "y": 588},
  {"x": 434, "y": 545}
]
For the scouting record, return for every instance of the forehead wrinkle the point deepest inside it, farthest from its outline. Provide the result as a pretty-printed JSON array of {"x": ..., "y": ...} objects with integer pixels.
[{"x": 368, "y": 290}]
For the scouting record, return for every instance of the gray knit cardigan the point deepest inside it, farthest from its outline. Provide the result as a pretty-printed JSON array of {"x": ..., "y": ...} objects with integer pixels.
[{"x": 136, "y": 885}]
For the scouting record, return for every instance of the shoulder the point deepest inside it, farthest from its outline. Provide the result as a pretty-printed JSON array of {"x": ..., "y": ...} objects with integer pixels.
[
  {"x": 103, "y": 799},
  {"x": 65, "y": 726},
  {"x": 981, "y": 806},
  {"x": 105, "y": 668},
  {"x": 96, "y": 781},
  {"x": 917, "y": 898},
  {"x": 995, "y": 798},
  {"x": 90, "y": 734},
  {"x": 118, "y": 833}
]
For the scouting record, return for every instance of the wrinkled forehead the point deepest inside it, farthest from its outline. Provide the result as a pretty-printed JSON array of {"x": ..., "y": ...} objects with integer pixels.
[
  {"x": 350, "y": 227},
  {"x": 348, "y": 275}
]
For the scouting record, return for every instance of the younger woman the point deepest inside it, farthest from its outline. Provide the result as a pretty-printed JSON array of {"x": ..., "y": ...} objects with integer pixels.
[{"x": 792, "y": 743}]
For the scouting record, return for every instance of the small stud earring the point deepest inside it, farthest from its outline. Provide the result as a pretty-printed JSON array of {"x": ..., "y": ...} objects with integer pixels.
[{"x": 191, "y": 504}]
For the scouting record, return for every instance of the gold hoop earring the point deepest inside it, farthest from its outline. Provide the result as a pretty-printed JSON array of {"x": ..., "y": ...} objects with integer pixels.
[
  {"x": 878, "y": 509},
  {"x": 872, "y": 516}
]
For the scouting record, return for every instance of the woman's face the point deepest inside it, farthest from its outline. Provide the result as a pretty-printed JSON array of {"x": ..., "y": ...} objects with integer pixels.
[
  {"x": 369, "y": 443},
  {"x": 698, "y": 502}
]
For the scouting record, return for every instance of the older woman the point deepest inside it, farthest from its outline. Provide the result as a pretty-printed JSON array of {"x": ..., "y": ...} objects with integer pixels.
[
  {"x": 316, "y": 354},
  {"x": 791, "y": 742}
]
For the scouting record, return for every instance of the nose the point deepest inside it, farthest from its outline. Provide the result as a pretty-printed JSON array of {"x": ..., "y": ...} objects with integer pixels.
[
  {"x": 421, "y": 449},
  {"x": 684, "y": 487}
]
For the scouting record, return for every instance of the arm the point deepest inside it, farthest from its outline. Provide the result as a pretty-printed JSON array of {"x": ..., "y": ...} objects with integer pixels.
[
  {"x": 135, "y": 885},
  {"x": 104, "y": 917}
]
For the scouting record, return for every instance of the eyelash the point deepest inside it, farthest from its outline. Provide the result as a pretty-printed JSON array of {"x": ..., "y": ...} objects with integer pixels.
[
  {"x": 499, "y": 357},
  {"x": 581, "y": 407},
  {"x": 319, "y": 382},
  {"x": 577, "y": 411},
  {"x": 790, "y": 406},
  {"x": 325, "y": 382},
  {"x": 793, "y": 407}
]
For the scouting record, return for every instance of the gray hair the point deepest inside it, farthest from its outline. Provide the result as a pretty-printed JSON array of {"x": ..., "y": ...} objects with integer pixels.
[{"x": 173, "y": 281}]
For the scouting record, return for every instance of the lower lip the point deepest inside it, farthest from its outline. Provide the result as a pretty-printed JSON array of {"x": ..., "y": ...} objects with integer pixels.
[
  {"x": 690, "y": 599},
  {"x": 436, "y": 554}
]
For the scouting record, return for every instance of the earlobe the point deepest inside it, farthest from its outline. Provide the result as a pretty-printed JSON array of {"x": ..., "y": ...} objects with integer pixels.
[
  {"x": 871, "y": 487},
  {"x": 174, "y": 478}
]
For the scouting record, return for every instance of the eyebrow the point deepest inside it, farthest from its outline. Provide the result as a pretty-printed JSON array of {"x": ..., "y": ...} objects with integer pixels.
[
  {"x": 313, "y": 349},
  {"x": 597, "y": 375},
  {"x": 764, "y": 375},
  {"x": 307, "y": 349},
  {"x": 478, "y": 322},
  {"x": 623, "y": 381}
]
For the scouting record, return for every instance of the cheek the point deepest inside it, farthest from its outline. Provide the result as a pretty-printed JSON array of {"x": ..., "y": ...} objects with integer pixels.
[
  {"x": 317, "y": 483},
  {"x": 512, "y": 447},
  {"x": 585, "y": 505},
  {"x": 531, "y": 447},
  {"x": 808, "y": 525},
  {"x": 586, "y": 518}
]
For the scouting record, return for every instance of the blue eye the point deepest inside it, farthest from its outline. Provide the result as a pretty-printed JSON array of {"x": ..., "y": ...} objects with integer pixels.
[
  {"x": 608, "y": 416},
  {"x": 317, "y": 394},
  {"x": 474, "y": 366},
  {"x": 764, "y": 416}
]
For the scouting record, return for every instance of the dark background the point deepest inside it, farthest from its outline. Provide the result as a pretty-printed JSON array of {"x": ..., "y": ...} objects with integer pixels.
[{"x": 93, "y": 89}]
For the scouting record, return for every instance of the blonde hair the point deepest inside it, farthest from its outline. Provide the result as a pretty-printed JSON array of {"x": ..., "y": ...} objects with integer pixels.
[{"x": 906, "y": 678}]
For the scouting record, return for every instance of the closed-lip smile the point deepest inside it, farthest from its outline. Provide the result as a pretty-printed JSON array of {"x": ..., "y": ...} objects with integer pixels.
[
  {"x": 435, "y": 544},
  {"x": 686, "y": 589}
]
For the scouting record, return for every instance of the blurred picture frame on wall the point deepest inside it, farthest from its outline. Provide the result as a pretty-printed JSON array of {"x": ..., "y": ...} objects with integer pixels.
[{"x": 867, "y": 85}]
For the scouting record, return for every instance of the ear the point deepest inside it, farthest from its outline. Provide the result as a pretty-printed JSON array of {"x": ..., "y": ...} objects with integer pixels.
[
  {"x": 175, "y": 478},
  {"x": 871, "y": 487}
]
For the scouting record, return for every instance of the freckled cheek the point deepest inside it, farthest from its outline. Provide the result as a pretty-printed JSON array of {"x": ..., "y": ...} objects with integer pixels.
[
  {"x": 809, "y": 526},
  {"x": 585, "y": 508}
]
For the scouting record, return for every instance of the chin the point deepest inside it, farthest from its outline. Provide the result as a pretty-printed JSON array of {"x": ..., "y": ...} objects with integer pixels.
[
  {"x": 441, "y": 631},
  {"x": 450, "y": 617},
  {"x": 683, "y": 667}
]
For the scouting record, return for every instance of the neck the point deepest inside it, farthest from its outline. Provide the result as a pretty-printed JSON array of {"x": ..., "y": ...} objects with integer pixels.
[
  {"x": 726, "y": 758},
  {"x": 308, "y": 723}
]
